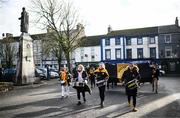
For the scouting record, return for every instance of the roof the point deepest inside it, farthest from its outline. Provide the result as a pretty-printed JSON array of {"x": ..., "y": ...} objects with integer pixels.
[
  {"x": 34, "y": 37},
  {"x": 169, "y": 29},
  {"x": 91, "y": 40},
  {"x": 135, "y": 32}
]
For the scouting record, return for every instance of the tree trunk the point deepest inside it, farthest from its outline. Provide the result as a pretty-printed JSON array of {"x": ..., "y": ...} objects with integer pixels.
[
  {"x": 59, "y": 62},
  {"x": 67, "y": 54}
]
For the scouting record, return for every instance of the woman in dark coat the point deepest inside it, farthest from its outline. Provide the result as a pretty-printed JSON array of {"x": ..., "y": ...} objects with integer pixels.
[
  {"x": 80, "y": 77},
  {"x": 130, "y": 77}
]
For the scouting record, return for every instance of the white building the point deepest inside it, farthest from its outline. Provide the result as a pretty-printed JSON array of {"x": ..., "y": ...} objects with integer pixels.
[
  {"x": 138, "y": 43},
  {"x": 89, "y": 51}
]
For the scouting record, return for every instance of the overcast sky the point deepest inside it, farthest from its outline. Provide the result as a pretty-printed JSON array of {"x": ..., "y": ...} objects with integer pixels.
[{"x": 98, "y": 14}]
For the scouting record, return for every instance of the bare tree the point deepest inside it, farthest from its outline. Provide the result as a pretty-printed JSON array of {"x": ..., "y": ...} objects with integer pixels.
[
  {"x": 72, "y": 31},
  {"x": 60, "y": 17},
  {"x": 8, "y": 51}
]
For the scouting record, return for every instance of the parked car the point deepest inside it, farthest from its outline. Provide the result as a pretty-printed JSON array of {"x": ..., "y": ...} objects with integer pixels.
[
  {"x": 52, "y": 73},
  {"x": 9, "y": 75},
  {"x": 54, "y": 70},
  {"x": 39, "y": 73}
]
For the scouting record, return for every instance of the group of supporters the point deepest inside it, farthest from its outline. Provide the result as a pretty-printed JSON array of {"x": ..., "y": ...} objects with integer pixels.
[
  {"x": 79, "y": 78},
  {"x": 98, "y": 77}
]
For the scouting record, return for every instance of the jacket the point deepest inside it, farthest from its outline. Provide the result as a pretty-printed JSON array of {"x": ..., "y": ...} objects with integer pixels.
[{"x": 84, "y": 75}]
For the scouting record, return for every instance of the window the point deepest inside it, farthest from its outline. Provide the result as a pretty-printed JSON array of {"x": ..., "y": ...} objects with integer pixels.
[
  {"x": 129, "y": 53},
  {"x": 92, "y": 58},
  {"x": 152, "y": 40},
  {"x": 86, "y": 55},
  {"x": 92, "y": 51},
  {"x": 82, "y": 54},
  {"x": 168, "y": 51},
  {"x": 139, "y": 41},
  {"x": 107, "y": 42},
  {"x": 82, "y": 57},
  {"x": 140, "y": 53},
  {"x": 128, "y": 41},
  {"x": 167, "y": 38},
  {"x": 152, "y": 52},
  {"x": 118, "y": 41},
  {"x": 107, "y": 54},
  {"x": 118, "y": 53},
  {"x": 82, "y": 51}
]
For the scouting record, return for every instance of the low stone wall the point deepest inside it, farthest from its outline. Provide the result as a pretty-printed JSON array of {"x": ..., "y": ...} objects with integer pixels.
[{"x": 6, "y": 86}]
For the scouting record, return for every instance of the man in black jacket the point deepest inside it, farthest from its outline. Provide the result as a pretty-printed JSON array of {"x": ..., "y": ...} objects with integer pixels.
[
  {"x": 130, "y": 77},
  {"x": 101, "y": 78}
]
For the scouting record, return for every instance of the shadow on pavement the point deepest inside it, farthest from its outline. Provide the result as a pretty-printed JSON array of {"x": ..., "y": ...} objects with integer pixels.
[
  {"x": 170, "y": 111},
  {"x": 115, "y": 105}
]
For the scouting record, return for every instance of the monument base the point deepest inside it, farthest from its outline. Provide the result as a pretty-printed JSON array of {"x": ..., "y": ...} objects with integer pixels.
[{"x": 25, "y": 66}]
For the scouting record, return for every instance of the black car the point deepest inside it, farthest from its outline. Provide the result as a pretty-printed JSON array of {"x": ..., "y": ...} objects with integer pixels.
[{"x": 9, "y": 75}]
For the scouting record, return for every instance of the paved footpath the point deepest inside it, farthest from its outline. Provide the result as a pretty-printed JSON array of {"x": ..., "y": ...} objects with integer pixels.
[{"x": 44, "y": 100}]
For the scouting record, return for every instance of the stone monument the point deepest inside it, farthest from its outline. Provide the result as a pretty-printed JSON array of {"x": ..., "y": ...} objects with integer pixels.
[{"x": 25, "y": 66}]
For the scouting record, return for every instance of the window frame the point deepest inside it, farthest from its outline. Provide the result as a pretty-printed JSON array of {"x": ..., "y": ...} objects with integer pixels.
[
  {"x": 168, "y": 48},
  {"x": 150, "y": 40},
  {"x": 138, "y": 49},
  {"x": 150, "y": 54},
  {"x": 106, "y": 50},
  {"x": 165, "y": 38},
  {"x": 107, "y": 42},
  {"x": 127, "y": 57},
  {"x": 117, "y": 49},
  {"x": 118, "y": 41},
  {"x": 141, "y": 43},
  {"x": 128, "y": 40}
]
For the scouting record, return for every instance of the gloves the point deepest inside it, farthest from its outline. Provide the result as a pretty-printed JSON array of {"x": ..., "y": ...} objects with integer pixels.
[{"x": 86, "y": 81}]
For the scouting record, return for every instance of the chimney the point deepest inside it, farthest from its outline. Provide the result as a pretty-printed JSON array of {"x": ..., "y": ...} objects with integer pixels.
[
  {"x": 79, "y": 26},
  {"x": 9, "y": 35},
  {"x": 49, "y": 29},
  {"x": 177, "y": 22},
  {"x": 109, "y": 28}
]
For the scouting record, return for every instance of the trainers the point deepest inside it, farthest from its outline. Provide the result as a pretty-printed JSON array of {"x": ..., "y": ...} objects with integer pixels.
[
  {"x": 135, "y": 109},
  {"x": 79, "y": 103}
]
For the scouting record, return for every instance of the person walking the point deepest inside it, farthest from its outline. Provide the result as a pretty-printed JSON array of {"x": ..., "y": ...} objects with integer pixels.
[
  {"x": 92, "y": 76},
  {"x": 101, "y": 79},
  {"x": 80, "y": 77},
  {"x": 130, "y": 77},
  {"x": 155, "y": 78},
  {"x": 65, "y": 83},
  {"x": 48, "y": 72}
]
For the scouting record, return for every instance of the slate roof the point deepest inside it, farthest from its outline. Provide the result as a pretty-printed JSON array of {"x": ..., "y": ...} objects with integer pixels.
[
  {"x": 135, "y": 32},
  {"x": 169, "y": 29},
  {"x": 91, "y": 40}
]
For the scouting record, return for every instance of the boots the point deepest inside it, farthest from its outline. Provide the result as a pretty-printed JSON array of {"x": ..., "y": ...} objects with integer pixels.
[
  {"x": 102, "y": 104},
  {"x": 79, "y": 103},
  {"x": 84, "y": 99}
]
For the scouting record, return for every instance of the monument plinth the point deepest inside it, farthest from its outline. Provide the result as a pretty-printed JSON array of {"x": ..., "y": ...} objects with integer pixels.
[{"x": 25, "y": 67}]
